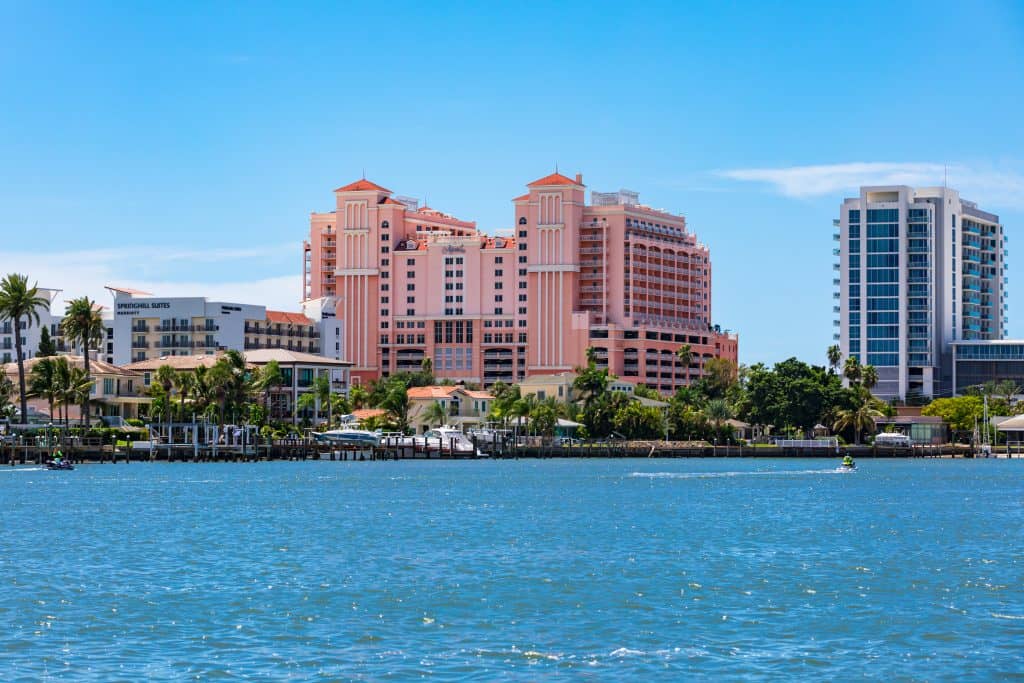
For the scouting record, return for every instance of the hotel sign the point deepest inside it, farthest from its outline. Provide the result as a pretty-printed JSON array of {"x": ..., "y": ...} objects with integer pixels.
[{"x": 136, "y": 307}]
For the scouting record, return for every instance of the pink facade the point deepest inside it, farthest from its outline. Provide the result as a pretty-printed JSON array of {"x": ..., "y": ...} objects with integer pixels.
[{"x": 409, "y": 283}]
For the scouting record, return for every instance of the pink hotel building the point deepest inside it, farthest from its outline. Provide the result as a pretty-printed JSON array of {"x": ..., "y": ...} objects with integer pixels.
[{"x": 408, "y": 283}]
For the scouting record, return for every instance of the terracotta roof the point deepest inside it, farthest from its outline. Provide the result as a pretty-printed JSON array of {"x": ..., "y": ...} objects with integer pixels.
[
  {"x": 362, "y": 185},
  {"x": 444, "y": 391},
  {"x": 523, "y": 196},
  {"x": 389, "y": 200},
  {"x": 367, "y": 413},
  {"x": 431, "y": 392},
  {"x": 96, "y": 366},
  {"x": 553, "y": 179},
  {"x": 125, "y": 290},
  {"x": 477, "y": 394},
  {"x": 286, "y": 318},
  {"x": 176, "y": 362}
]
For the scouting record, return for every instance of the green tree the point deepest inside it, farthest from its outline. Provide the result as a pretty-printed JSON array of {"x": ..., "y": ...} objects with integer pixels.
[
  {"x": 358, "y": 397},
  {"x": 868, "y": 376},
  {"x": 835, "y": 357},
  {"x": 44, "y": 382},
  {"x": 270, "y": 379},
  {"x": 20, "y": 303},
  {"x": 6, "y": 394},
  {"x": 959, "y": 412},
  {"x": 852, "y": 369},
  {"x": 644, "y": 391},
  {"x": 83, "y": 325},
  {"x": 396, "y": 402},
  {"x": 435, "y": 413},
  {"x": 793, "y": 395},
  {"x": 78, "y": 390},
  {"x": 685, "y": 355},
  {"x": 543, "y": 419},
  {"x": 164, "y": 379},
  {"x": 718, "y": 411},
  {"x": 860, "y": 417},
  {"x": 637, "y": 421},
  {"x": 46, "y": 346},
  {"x": 718, "y": 376}
]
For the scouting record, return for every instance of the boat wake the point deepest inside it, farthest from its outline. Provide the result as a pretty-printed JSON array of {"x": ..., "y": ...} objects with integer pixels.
[
  {"x": 22, "y": 469},
  {"x": 719, "y": 475}
]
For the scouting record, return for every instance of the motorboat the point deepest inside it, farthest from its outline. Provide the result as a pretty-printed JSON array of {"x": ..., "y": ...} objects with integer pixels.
[
  {"x": 445, "y": 440},
  {"x": 349, "y": 437}
]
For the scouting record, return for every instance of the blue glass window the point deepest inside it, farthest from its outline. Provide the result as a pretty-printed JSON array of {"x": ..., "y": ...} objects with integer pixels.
[
  {"x": 854, "y": 215},
  {"x": 883, "y": 230}
]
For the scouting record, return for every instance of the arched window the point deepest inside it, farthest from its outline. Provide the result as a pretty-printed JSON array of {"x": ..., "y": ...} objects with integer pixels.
[
  {"x": 384, "y": 225},
  {"x": 522, "y": 221}
]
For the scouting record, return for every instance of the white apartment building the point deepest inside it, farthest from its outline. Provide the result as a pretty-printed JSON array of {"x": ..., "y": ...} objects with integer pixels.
[
  {"x": 141, "y": 326},
  {"x": 918, "y": 269}
]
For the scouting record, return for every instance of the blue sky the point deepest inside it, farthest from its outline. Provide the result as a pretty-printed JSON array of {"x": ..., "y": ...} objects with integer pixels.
[{"x": 180, "y": 147}]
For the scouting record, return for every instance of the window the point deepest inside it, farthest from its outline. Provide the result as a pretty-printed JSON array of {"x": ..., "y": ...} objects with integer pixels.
[
  {"x": 522, "y": 234},
  {"x": 522, "y": 259},
  {"x": 385, "y": 262},
  {"x": 522, "y": 285},
  {"x": 499, "y": 259},
  {"x": 410, "y": 286},
  {"x": 522, "y": 246},
  {"x": 498, "y": 298},
  {"x": 522, "y": 310},
  {"x": 458, "y": 260},
  {"x": 498, "y": 272},
  {"x": 498, "y": 285},
  {"x": 411, "y": 274},
  {"x": 522, "y": 220},
  {"x": 498, "y": 310},
  {"x": 410, "y": 299},
  {"x": 522, "y": 272},
  {"x": 410, "y": 311},
  {"x": 522, "y": 297},
  {"x": 385, "y": 250},
  {"x": 385, "y": 287},
  {"x": 410, "y": 262}
]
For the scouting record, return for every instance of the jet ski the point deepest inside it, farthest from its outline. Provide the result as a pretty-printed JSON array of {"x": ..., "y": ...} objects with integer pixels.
[
  {"x": 848, "y": 463},
  {"x": 59, "y": 465}
]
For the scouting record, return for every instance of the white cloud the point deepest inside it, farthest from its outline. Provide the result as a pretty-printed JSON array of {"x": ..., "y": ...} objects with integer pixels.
[
  {"x": 988, "y": 186},
  {"x": 153, "y": 270}
]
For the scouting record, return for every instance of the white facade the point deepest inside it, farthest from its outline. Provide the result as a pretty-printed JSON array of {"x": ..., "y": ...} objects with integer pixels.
[
  {"x": 332, "y": 337},
  {"x": 146, "y": 326},
  {"x": 918, "y": 269}
]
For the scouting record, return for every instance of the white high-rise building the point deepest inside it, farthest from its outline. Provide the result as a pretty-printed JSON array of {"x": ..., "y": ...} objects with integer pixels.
[{"x": 919, "y": 268}]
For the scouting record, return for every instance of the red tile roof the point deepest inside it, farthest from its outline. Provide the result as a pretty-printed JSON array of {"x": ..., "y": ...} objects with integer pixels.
[
  {"x": 389, "y": 200},
  {"x": 286, "y": 318},
  {"x": 367, "y": 413},
  {"x": 361, "y": 185},
  {"x": 444, "y": 391},
  {"x": 553, "y": 179},
  {"x": 522, "y": 197}
]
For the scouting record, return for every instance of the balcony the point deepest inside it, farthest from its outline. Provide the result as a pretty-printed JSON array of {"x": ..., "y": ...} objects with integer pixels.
[
  {"x": 140, "y": 329},
  {"x": 140, "y": 344}
]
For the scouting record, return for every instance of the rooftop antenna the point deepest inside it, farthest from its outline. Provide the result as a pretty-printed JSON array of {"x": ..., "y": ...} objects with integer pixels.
[
  {"x": 945, "y": 176},
  {"x": 556, "y": 167}
]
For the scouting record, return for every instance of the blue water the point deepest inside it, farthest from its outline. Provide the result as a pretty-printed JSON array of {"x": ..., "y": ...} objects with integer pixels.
[{"x": 608, "y": 569}]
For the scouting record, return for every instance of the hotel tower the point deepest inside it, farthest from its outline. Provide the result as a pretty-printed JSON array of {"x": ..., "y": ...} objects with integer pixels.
[
  {"x": 919, "y": 269},
  {"x": 408, "y": 283}
]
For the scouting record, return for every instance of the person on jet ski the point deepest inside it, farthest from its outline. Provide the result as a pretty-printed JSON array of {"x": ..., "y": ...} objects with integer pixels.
[{"x": 847, "y": 460}]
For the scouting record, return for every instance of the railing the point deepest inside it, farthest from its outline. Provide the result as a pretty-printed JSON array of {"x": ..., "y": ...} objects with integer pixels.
[
  {"x": 136, "y": 344},
  {"x": 140, "y": 328}
]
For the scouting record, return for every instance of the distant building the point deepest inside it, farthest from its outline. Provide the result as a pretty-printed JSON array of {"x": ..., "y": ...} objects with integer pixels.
[
  {"x": 115, "y": 391},
  {"x": 142, "y": 326},
  {"x": 405, "y": 283},
  {"x": 464, "y": 407},
  {"x": 919, "y": 269},
  {"x": 978, "y": 362}
]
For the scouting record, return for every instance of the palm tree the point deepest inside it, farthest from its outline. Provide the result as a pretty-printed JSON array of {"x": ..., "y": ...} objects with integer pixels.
[
  {"x": 321, "y": 389},
  {"x": 44, "y": 383},
  {"x": 852, "y": 369},
  {"x": 718, "y": 412},
  {"x": 868, "y": 376},
  {"x": 20, "y": 302},
  {"x": 396, "y": 402},
  {"x": 164, "y": 378},
  {"x": 270, "y": 378},
  {"x": 77, "y": 390},
  {"x": 435, "y": 413},
  {"x": 835, "y": 357},
  {"x": 83, "y": 324},
  {"x": 860, "y": 418},
  {"x": 685, "y": 355},
  {"x": 6, "y": 392},
  {"x": 184, "y": 383},
  {"x": 62, "y": 381}
]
